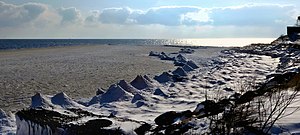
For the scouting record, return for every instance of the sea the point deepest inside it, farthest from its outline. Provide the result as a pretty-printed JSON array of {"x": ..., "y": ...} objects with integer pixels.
[{"x": 6, "y": 44}]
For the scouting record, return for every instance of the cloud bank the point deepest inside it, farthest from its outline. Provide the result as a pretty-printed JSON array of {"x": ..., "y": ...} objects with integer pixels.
[
  {"x": 13, "y": 15},
  {"x": 164, "y": 21},
  {"x": 245, "y": 15}
]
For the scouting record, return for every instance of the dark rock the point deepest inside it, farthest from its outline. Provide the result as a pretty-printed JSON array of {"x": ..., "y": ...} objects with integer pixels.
[
  {"x": 143, "y": 129},
  {"x": 247, "y": 97},
  {"x": 234, "y": 96},
  {"x": 166, "y": 118},
  {"x": 228, "y": 89}
]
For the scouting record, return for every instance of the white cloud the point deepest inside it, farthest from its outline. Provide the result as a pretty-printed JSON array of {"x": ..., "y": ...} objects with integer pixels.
[
  {"x": 14, "y": 15},
  {"x": 168, "y": 15},
  {"x": 250, "y": 20},
  {"x": 243, "y": 15},
  {"x": 115, "y": 15},
  {"x": 70, "y": 15},
  {"x": 251, "y": 15},
  {"x": 94, "y": 17},
  {"x": 199, "y": 17}
]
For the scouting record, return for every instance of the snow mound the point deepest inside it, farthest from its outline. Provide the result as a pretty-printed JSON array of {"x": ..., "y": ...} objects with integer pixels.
[
  {"x": 115, "y": 93},
  {"x": 137, "y": 97},
  {"x": 180, "y": 71},
  {"x": 94, "y": 100},
  {"x": 164, "y": 56},
  {"x": 159, "y": 92},
  {"x": 164, "y": 77},
  {"x": 180, "y": 58},
  {"x": 63, "y": 100},
  {"x": 192, "y": 64},
  {"x": 39, "y": 100},
  {"x": 141, "y": 83},
  {"x": 187, "y": 68},
  {"x": 127, "y": 87}
]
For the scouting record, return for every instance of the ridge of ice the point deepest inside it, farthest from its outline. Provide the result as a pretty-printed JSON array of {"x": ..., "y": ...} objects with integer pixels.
[
  {"x": 115, "y": 93},
  {"x": 39, "y": 100},
  {"x": 127, "y": 87},
  {"x": 140, "y": 83},
  {"x": 180, "y": 71},
  {"x": 63, "y": 100}
]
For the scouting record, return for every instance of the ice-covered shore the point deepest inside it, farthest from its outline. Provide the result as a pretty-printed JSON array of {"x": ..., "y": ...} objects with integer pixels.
[{"x": 170, "y": 103}]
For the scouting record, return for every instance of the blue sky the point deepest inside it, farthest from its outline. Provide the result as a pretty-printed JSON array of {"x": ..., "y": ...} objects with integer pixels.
[{"x": 146, "y": 18}]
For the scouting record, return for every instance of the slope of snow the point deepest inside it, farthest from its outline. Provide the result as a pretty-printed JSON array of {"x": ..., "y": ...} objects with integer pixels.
[
  {"x": 141, "y": 83},
  {"x": 115, "y": 93},
  {"x": 39, "y": 100},
  {"x": 127, "y": 87},
  {"x": 63, "y": 100}
]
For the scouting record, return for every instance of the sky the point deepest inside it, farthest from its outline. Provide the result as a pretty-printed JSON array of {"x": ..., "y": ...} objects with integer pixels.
[{"x": 146, "y": 19}]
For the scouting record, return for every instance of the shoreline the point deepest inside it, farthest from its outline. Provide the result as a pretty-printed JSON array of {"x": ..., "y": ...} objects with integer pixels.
[{"x": 76, "y": 70}]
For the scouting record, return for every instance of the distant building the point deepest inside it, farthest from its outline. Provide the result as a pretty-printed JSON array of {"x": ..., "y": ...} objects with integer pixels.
[{"x": 293, "y": 31}]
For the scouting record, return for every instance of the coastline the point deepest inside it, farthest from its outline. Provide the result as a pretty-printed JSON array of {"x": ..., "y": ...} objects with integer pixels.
[{"x": 75, "y": 70}]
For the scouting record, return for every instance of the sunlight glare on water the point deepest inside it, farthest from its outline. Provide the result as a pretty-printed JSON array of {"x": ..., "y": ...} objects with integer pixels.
[{"x": 223, "y": 42}]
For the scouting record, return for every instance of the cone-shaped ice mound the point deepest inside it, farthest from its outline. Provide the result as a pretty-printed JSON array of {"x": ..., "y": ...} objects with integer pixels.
[
  {"x": 160, "y": 93},
  {"x": 127, "y": 87},
  {"x": 63, "y": 100},
  {"x": 164, "y": 77},
  {"x": 164, "y": 56},
  {"x": 192, "y": 64},
  {"x": 94, "y": 100},
  {"x": 180, "y": 58},
  {"x": 39, "y": 100},
  {"x": 179, "y": 71},
  {"x": 137, "y": 97},
  {"x": 187, "y": 68},
  {"x": 141, "y": 83},
  {"x": 115, "y": 93}
]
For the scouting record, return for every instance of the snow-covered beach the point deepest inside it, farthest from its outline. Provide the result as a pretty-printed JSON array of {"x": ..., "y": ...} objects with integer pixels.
[
  {"x": 76, "y": 70},
  {"x": 182, "y": 98}
]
